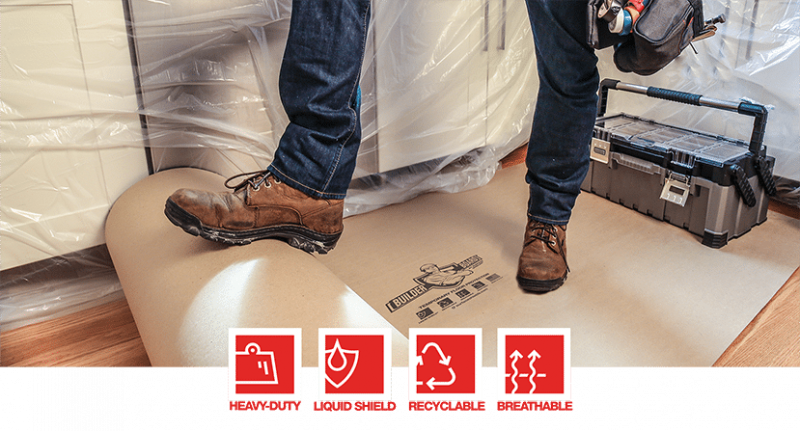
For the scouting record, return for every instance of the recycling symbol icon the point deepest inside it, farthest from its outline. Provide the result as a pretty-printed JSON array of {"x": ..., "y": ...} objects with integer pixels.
[
  {"x": 432, "y": 383},
  {"x": 444, "y": 364}
]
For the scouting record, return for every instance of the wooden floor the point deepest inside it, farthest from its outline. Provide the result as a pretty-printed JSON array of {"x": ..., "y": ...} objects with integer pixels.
[
  {"x": 107, "y": 335},
  {"x": 772, "y": 339},
  {"x": 103, "y": 336}
]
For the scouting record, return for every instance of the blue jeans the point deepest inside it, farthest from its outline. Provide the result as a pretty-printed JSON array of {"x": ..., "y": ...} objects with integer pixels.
[{"x": 319, "y": 89}]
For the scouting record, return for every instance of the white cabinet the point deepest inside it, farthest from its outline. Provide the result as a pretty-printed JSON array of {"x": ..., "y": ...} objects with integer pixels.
[
  {"x": 451, "y": 76},
  {"x": 70, "y": 137},
  {"x": 512, "y": 78},
  {"x": 440, "y": 78},
  {"x": 208, "y": 74}
]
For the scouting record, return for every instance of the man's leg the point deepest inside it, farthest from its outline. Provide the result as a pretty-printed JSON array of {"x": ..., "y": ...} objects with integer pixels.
[
  {"x": 558, "y": 151},
  {"x": 300, "y": 196},
  {"x": 319, "y": 89}
]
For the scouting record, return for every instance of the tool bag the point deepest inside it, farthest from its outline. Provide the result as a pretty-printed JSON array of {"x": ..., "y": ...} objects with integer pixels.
[{"x": 664, "y": 28}]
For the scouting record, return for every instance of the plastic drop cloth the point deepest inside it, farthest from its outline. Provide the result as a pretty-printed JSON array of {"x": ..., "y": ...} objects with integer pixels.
[{"x": 115, "y": 90}]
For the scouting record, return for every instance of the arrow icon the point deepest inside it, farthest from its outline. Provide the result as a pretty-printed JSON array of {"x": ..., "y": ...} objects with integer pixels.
[
  {"x": 444, "y": 361},
  {"x": 432, "y": 382},
  {"x": 515, "y": 356},
  {"x": 534, "y": 355}
]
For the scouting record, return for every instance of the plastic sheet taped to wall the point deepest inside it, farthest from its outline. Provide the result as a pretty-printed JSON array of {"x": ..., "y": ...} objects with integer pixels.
[{"x": 105, "y": 92}]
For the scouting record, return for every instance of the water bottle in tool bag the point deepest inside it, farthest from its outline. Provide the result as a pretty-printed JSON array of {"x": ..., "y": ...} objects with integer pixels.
[{"x": 647, "y": 34}]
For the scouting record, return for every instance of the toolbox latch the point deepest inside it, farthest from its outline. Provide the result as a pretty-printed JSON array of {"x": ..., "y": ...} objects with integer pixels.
[
  {"x": 676, "y": 189},
  {"x": 601, "y": 150}
]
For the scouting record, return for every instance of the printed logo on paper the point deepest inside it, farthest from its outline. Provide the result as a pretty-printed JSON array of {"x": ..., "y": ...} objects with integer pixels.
[
  {"x": 443, "y": 363},
  {"x": 355, "y": 361},
  {"x": 263, "y": 362},
  {"x": 451, "y": 275},
  {"x": 535, "y": 363},
  {"x": 454, "y": 284}
]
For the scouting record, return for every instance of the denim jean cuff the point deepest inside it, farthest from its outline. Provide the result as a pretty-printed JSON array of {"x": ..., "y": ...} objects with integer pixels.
[
  {"x": 291, "y": 182},
  {"x": 547, "y": 221}
]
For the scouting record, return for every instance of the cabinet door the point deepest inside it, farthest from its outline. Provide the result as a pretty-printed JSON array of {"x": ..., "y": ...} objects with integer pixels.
[
  {"x": 71, "y": 139},
  {"x": 512, "y": 82},
  {"x": 430, "y": 79},
  {"x": 208, "y": 72}
]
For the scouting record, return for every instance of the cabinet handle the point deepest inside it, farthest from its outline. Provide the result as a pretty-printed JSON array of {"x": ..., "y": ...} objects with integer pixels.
[
  {"x": 486, "y": 25},
  {"x": 501, "y": 45}
]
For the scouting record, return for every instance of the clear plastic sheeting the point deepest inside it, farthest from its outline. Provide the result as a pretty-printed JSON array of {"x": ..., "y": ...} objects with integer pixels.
[
  {"x": 207, "y": 76},
  {"x": 104, "y": 92},
  {"x": 56, "y": 287},
  {"x": 444, "y": 82},
  {"x": 754, "y": 56},
  {"x": 788, "y": 191},
  {"x": 452, "y": 85}
]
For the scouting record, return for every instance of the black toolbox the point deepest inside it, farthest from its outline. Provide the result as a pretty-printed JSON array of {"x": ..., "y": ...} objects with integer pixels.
[{"x": 711, "y": 185}]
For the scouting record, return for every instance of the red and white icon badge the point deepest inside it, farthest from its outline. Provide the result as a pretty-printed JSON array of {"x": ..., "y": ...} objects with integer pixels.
[
  {"x": 354, "y": 362},
  {"x": 263, "y": 362},
  {"x": 443, "y": 363},
  {"x": 534, "y": 363}
]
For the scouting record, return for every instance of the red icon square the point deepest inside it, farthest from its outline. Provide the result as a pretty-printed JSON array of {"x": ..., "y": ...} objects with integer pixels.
[
  {"x": 355, "y": 362},
  {"x": 444, "y": 363},
  {"x": 535, "y": 362},
  {"x": 263, "y": 362}
]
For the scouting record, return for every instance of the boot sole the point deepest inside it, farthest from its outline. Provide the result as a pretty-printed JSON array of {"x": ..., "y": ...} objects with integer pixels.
[
  {"x": 296, "y": 236},
  {"x": 540, "y": 286}
]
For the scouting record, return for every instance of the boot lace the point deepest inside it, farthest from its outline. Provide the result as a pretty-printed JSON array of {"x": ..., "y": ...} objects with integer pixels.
[
  {"x": 252, "y": 179},
  {"x": 547, "y": 234}
]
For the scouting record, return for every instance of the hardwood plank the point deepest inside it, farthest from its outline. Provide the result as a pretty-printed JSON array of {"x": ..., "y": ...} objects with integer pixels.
[
  {"x": 105, "y": 335},
  {"x": 772, "y": 339}
]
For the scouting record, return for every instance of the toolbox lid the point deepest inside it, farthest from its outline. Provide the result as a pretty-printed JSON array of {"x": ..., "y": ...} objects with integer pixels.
[{"x": 665, "y": 138}]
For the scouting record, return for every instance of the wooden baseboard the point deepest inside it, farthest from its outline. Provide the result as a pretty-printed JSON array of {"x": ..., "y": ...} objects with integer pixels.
[{"x": 785, "y": 209}]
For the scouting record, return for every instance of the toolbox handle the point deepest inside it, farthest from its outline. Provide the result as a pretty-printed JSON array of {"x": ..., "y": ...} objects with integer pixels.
[{"x": 744, "y": 108}]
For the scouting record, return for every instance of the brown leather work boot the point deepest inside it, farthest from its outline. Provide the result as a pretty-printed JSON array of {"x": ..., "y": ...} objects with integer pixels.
[
  {"x": 543, "y": 262},
  {"x": 260, "y": 207}
]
